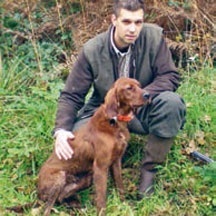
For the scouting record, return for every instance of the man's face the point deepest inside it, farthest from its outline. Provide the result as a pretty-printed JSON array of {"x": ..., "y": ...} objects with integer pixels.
[{"x": 128, "y": 26}]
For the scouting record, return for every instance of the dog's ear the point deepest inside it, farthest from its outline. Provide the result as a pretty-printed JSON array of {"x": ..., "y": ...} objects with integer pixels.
[{"x": 111, "y": 103}]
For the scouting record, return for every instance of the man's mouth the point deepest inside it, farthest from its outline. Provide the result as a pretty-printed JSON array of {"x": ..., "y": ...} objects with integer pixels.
[{"x": 131, "y": 37}]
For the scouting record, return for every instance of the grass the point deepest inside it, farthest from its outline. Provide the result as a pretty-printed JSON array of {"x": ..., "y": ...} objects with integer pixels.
[
  {"x": 29, "y": 89},
  {"x": 184, "y": 186}
]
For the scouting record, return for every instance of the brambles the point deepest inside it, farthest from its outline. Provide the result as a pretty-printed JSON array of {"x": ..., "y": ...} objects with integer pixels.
[{"x": 39, "y": 42}]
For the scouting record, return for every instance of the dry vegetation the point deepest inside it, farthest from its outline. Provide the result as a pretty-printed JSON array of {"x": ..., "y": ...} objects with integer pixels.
[
  {"x": 189, "y": 25},
  {"x": 39, "y": 37}
]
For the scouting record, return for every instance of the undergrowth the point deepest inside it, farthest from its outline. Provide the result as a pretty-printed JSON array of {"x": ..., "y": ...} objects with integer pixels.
[{"x": 31, "y": 77}]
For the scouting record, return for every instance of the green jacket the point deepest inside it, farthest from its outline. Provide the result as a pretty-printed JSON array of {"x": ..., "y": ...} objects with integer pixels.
[{"x": 97, "y": 66}]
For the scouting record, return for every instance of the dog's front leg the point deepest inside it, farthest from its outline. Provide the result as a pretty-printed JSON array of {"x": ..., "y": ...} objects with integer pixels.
[
  {"x": 100, "y": 182},
  {"x": 117, "y": 175}
]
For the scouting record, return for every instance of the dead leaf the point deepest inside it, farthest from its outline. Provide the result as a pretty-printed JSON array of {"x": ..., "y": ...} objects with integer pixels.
[
  {"x": 207, "y": 119},
  {"x": 191, "y": 147},
  {"x": 36, "y": 211},
  {"x": 201, "y": 141},
  {"x": 200, "y": 137},
  {"x": 189, "y": 104},
  {"x": 200, "y": 134}
]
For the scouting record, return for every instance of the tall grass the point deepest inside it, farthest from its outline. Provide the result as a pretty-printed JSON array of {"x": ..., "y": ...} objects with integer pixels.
[
  {"x": 29, "y": 89},
  {"x": 200, "y": 97},
  {"x": 27, "y": 119}
]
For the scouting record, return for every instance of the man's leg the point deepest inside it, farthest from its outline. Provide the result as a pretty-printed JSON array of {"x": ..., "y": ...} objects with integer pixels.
[
  {"x": 162, "y": 120},
  {"x": 156, "y": 151}
]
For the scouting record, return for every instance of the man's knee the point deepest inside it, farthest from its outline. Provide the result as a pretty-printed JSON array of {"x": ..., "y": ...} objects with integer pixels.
[{"x": 169, "y": 100}]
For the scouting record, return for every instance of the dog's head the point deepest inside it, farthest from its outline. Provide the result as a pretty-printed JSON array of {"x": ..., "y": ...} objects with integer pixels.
[{"x": 124, "y": 97}]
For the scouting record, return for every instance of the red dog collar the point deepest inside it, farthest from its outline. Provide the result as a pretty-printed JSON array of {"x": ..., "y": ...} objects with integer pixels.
[{"x": 125, "y": 118}]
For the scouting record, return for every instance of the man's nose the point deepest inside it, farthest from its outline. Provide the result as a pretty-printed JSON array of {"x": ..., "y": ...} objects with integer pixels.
[{"x": 132, "y": 27}]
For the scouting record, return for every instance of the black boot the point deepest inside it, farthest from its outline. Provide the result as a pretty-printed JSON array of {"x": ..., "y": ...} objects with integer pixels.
[
  {"x": 155, "y": 154},
  {"x": 146, "y": 187}
]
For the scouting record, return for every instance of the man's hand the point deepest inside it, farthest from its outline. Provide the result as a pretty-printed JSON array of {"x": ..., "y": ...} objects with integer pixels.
[{"x": 62, "y": 147}]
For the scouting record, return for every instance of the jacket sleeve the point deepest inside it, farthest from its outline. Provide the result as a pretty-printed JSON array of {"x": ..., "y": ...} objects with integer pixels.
[
  {"x": 72, "y": 97},
  {"x": 166, "y": 77}
]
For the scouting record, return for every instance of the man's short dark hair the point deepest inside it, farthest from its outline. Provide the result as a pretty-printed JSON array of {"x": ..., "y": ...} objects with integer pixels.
[{"x": 131, "y": 5}]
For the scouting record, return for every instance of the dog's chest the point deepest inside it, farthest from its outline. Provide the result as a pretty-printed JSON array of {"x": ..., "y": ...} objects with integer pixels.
[{"x": 121, "y": 143}]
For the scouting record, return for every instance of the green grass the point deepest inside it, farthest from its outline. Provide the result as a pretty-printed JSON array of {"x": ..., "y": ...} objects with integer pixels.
[
  {"x": 183, "y": 187},
  {"x": 29, "y": 90}
]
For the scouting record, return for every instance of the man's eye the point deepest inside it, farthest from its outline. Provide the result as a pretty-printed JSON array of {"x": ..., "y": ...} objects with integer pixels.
[
  {"x": 126, "y": 22},
  {"x": 139, "y": 22}
]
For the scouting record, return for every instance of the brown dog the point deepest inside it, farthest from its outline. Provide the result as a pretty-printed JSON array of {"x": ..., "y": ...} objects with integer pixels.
[{"x": 98, "y": 145}]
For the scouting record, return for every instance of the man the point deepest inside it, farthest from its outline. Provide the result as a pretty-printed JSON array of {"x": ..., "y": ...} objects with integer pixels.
[{"x": 133, "y": 49}]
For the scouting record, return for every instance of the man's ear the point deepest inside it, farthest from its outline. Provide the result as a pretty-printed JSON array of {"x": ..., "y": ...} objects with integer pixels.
[
  {"x": 113, "y": 19},
  {"x": 111, "y": 103}
]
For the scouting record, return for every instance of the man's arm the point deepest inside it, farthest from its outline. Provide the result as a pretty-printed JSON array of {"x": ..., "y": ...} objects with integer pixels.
[
  {"x": 72, "y": 97},
  {"x": 166, "y": 77}
]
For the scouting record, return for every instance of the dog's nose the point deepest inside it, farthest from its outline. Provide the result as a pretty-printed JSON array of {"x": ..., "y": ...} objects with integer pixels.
[{"x": 146, "y": 95}]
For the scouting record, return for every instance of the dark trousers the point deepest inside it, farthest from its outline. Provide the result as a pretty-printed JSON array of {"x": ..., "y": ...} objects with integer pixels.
[{"x": 164, "y": 117}]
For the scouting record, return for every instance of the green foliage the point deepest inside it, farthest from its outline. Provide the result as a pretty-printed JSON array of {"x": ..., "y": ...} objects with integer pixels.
[
  {"x": 29, "y": 89},
  {"x": 183, "y": 4},
  {"x": 208, "y": 173},
  {"x": 208, "y": 176},
  {"x": 198, "y": 90}
]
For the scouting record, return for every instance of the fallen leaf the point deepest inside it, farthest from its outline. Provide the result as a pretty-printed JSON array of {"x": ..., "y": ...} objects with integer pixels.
[
  {"x": 189, "y": 104},
  {"x": 36, "y": 211},
  {"x": 207, "y": 119},
  {"x": 201, "y": 141},
  {"x": 191, "y": 147},
  {"x": 200, "y": 137}
]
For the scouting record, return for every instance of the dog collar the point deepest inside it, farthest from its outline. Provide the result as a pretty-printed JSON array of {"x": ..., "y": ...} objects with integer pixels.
[{"x": 124, "y": 118}]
